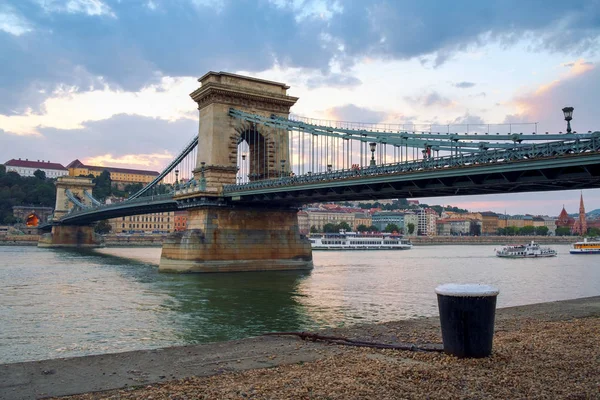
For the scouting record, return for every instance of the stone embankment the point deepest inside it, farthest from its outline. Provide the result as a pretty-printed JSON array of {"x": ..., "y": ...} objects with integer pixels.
[
  {"x": 547, "y": 350},
  {"x": 19, "y": 240},
  {"x": 157, "y": 240},
  {"x": 133, "y": 240},
  {"x": 497, "y": 240}
]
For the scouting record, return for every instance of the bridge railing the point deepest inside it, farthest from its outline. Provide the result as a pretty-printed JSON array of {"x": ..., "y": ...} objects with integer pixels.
[
  {"x": 531, "y": 152},
  {"x": 140, "y": 200}
]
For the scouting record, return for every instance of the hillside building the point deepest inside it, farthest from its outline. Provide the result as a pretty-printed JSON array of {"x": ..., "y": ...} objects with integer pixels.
[
  {"x": 26, "y": 168},
  {"x": 117, "y": 175}
]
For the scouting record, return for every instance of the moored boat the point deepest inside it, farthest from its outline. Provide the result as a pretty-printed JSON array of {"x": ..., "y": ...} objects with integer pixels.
[
  {"x": 359, "y": 241},
  {"x": 586, "y": 247},
  {"x": 531, "y": 250}
]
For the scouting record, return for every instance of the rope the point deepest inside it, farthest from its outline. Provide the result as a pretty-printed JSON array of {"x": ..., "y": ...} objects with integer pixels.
[{"x": 430, "y": 347}]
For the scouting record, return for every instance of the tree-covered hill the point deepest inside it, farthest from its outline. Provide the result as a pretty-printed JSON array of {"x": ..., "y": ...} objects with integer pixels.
[{"x": 16, "y": 190}]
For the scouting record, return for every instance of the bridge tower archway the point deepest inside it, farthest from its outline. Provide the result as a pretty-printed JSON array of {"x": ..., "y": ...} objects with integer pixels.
[
  {"x": 70, "y": 235},
  {"x": 76, "y": 185},
  {"x": 220, "y": 136}
]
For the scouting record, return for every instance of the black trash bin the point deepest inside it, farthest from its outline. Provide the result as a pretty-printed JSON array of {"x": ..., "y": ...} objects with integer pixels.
[{"x": 467, "y": 313}]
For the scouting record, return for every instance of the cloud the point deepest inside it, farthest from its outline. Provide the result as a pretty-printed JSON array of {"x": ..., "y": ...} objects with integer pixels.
[
  {"x": 353, "y": 113},
  {"x": 468, "y": 119},
  {"x": 579, "y": 89},
  {"x": 122, "y": 139},
  {"x": 431, "y": 99},
  {"x": 464, "y": 85},
  {"x": 333, "y": 80},
  {"x": 12, "y": 23},
  {"x": 130, "y": 44}
]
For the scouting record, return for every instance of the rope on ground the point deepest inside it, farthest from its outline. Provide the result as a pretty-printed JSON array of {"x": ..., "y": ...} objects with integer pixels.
[{"x": 350, "y": 342}]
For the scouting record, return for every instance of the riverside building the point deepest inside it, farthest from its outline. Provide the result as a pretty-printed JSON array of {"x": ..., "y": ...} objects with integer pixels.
[{"x": 27, "y": 168}]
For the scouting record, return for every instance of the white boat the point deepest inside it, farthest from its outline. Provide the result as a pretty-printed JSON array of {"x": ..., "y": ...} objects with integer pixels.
[
  {"x": 359, "y": 241},
  {"x": 532, "y": 250},
  {"x": 585, "y": 247}
]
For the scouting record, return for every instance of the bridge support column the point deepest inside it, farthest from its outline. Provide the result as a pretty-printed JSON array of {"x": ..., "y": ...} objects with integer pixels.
[
  {"x": 71, "y": 236},
  {"x": 236, "y": 239}
]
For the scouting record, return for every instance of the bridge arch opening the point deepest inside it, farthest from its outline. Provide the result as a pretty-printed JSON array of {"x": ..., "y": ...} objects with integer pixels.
[
  {"x": 32, "y": 220},
  {"x": 255, "y": 155}
]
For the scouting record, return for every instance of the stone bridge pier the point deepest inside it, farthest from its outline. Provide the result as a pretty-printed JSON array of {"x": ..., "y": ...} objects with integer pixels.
[
  {"x": 223, "y": 236},
  {"x": 71, "y": 235}
]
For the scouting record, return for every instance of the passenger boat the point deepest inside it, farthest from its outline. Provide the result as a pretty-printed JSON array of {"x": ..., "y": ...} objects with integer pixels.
[
  {"x": 359, "y": 241},
  {"x": 585, "y": 247},
  {"x": 532, "y": 250}
]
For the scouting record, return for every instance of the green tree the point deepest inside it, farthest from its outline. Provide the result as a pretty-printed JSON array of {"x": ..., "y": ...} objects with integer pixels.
[
  {"x": 103, "y": 186},
  {"x": 593, "y": 232},
  {"x": 103, "y": 227},
  {"x": 362, "y": 228},
  {"x": 541, "y": 230},
  {"x": 2, "y": 170},
  {"x": 511, "y": 230},
  {"x": 344, "y": 225},
  {"x": 527, "y": 230},
  {"x": 501, "y": 231},
  {"x": 391, "y": 228},
  {"x": 330, "y": 228},
  {"x": 373, "y": 228},
  {"x": 313, "y": 229},
  {"x": 411, "y": 228},
  {"x": 41, "y": 175},
  {"x": 563, "y": 231}
]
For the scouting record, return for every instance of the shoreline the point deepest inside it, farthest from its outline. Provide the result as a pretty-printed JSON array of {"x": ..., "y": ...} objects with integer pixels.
[
  {"x": 97, "y": 373},
  {"x": 156, "y": 241}
]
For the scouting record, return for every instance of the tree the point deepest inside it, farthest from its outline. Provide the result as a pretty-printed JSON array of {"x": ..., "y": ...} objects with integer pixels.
[
  {"x": 313, "y": 229},
  {"x": 501, "y": 231},
  {"x": 373, "y": 228},
  {"x": 362, "y": 228},
  {"x": 593, "y": 231},
  {"x": 563, "y": 231},
  {"x": 330, "y": 228},
  {"x": 411, "y": 228},
  {"x": 103, "y": 186},
  {"x": 511, "y": 230},
  {"x": 527, "y": 230},
  {"x": 391, "y": 228},
  {"x": 41, "y": 175},
  {"x": 344, "y": 225},
  {"x": 103, "y": 227},
  {"x": 541, "y": 230}
]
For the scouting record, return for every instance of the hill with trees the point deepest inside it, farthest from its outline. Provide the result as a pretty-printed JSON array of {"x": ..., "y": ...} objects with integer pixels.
[{"x": 16, "y": 190}]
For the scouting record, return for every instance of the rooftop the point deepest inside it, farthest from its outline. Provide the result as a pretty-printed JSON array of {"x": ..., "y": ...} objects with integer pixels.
[
  {"x": 35, "y": 164},
  {"x": 79, "y": 164}
]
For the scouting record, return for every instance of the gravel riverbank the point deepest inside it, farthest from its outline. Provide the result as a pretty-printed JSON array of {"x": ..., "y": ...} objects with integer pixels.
[{"x": 547, "y": 350}]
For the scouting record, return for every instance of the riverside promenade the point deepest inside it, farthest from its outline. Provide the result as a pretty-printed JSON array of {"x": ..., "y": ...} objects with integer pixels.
[{"x": 547, "y": 350}]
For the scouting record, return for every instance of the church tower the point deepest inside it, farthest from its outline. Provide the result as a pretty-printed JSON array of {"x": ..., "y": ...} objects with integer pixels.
[{"x": 580, "y": 226}]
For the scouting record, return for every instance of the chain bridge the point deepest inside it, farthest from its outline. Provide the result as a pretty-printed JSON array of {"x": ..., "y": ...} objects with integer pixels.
[{"x": 252, "y": 164}]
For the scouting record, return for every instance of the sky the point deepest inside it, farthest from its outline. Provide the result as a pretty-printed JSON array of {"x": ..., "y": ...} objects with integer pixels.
[{"x": 79, "y": 76}]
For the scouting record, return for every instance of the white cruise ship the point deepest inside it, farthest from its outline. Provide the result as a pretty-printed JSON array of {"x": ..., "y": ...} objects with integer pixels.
[{"x": 358, "y": 241}]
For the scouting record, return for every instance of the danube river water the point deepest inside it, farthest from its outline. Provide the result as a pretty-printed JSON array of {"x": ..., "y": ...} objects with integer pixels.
[{"x": 58, "y": 303}]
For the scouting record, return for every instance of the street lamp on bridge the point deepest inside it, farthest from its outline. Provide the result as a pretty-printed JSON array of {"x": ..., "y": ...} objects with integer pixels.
[
  {"x": 372, "y": 146},
  {"x": 568, "y": 111}
]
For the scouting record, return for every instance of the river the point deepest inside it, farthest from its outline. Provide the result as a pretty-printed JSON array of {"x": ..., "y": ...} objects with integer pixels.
[{"x": 60, "y": 303}]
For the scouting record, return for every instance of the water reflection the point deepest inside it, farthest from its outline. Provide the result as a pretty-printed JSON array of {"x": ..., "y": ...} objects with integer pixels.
[
  {"x": 59, "y": 303},
  {"x": 215, "y": 307}
]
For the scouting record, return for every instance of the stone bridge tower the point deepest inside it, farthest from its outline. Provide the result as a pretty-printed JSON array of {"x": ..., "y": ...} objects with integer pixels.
[
  {"x": 219, "y": 134},
  {"x": 70, "y": 235},
  {"x": 230, "y": 236}
]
